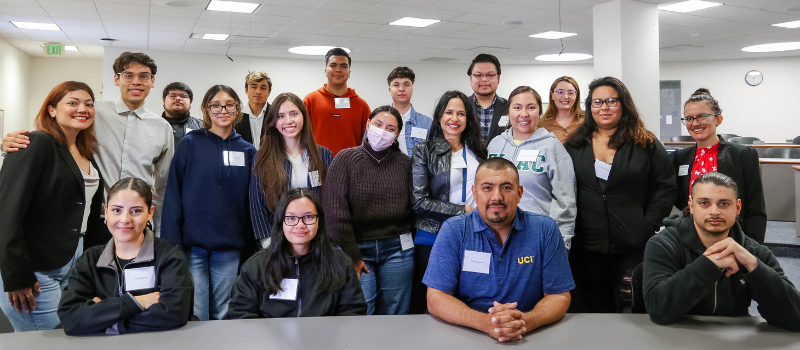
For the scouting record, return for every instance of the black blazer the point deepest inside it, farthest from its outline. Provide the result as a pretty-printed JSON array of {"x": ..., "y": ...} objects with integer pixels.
[
  {"x": 500, "y": 109},
  {"x": 639, "y": 194},
  {"x": 243, "y": 126},
  {"x": 740, "y": 162},
  {"x": 41, "y": 210}
]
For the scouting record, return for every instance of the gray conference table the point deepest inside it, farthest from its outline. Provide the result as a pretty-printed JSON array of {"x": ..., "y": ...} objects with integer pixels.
[{"x": 417, "y": 332}]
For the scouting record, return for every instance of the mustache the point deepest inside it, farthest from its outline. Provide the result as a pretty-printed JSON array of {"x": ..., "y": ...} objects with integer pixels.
[
  {"x": 716, "y": 218},
  {"x": 500, "y": 203}
]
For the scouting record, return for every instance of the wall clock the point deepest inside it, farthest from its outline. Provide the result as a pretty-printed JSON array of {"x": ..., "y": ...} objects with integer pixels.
[{"x": 753, "y": 78}]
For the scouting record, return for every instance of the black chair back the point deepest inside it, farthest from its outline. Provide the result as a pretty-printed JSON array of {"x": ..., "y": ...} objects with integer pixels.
[
  {"x": 681, "y": 139},
  {"x": 796, "y": 141},
  {"x": 727, "y": 136},
  {"x": 743, "y": 140},
  {"x": 671, "y": 151},
  {"x": 782, "y": 152},
  {"x": 637, "y": 291}
]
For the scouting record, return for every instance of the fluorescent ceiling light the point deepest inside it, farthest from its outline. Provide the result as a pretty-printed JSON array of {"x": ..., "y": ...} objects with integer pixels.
[
  {"x": 70, "y": 48},
  {"x": 689, "y": 6},
  {"x": 215, "y": 36},
  {"x": 40, "y": 26},
  {"x": 232, "y": 6},
  {"x": 793, "y": 24},
  {"x": 552, "y": 35},
  {"x": 414, "y": 22},
  {"x": 564, "y": 57},
  {"x": 773, "y": 47},
  {"x": 314, "y": 50}
]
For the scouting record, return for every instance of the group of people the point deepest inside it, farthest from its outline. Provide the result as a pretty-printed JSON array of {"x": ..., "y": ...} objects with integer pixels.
[{"x": 491, "y": 214}]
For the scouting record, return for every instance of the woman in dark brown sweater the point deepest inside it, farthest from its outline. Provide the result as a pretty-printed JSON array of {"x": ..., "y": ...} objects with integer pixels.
[{"x": 368, "y": 211}]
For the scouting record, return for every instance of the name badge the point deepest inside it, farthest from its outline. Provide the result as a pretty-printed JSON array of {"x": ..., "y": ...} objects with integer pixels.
[
  {"x": 503, "y": 121},
  {"x": 528, "y": 155},
  {"x": 314, "y": 176},
  {"x": 233, "y": 158},
  {"x": 477, "y": 261},
  {"x": 288, "y": 290},
  {"x": 419, "y": 133},
  {"x": 406, "y": 241},
  {"x": 457, "y": 162},
  {"x": 683, "y": 170},
  {"x": 602, "y": 169},
  {"x": 140, "y": 278},
  {"x": 341, "y": 102}
]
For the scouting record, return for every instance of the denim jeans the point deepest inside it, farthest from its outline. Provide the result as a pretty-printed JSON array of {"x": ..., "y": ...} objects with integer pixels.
[
  {"x": 387, "y": 286},
  {"x": 214, "y": 273},
  {"x": 52, "y": 283}
]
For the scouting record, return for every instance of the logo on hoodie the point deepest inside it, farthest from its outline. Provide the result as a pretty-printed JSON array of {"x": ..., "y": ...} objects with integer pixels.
[{"x": 535, "y": 167}]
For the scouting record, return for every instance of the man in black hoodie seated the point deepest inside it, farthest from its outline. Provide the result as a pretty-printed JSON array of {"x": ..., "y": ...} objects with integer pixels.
[{"x": 703, "y": 264}]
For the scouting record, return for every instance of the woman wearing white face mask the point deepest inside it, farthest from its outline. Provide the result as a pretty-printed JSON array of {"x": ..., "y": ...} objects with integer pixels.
[{"x": 368, "y": 211}]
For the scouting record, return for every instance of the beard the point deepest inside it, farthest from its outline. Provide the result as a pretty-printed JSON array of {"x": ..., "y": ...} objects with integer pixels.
[
  {"x": 498, "y": 218},
  {"x": 178, "y": 114},
  {"x": 714, "y": 231}
]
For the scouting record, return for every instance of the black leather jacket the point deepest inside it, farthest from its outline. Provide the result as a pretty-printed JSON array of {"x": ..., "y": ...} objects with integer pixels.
[{"x": 430, "y": 184}]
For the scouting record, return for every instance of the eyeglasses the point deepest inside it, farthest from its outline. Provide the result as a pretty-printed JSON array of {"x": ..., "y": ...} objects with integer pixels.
[
  {"x": 611, "y": 102},
  {"x": 294, "y": 220},
  {"x": 702, "y": 119},
  {"x": 570, "y": 93},
  {"x": 217, "y": 109},
  {"x": 488, "y": 76},
  {"x": 175, "y": 96},
  {"x": 128, "y": 76}
]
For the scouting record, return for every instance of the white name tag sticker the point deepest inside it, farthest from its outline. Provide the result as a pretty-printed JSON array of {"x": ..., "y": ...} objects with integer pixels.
[
  {"x": 314, "y": 177},
  {"x": 233, "y": 158},
  {"x": 140, "y": 278},
  {"x": 476, "y": 261},
  {"x": 683, "y": 170},
  {"x": 457, "y": 162},
  {"x": 288, "y": 290},
  {"x": 602, "y": 169},
  {"x": 503, "y": 121},
  {"x": 528, "y": 155},
  {"x": 341, "y": 102},
  {"x": 419, "y": 133},
  {"x": 406, "y": 241}
]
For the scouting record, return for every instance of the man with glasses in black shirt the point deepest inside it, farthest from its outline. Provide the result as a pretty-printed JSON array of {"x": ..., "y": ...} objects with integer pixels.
[{"x": 177, "y": 98}]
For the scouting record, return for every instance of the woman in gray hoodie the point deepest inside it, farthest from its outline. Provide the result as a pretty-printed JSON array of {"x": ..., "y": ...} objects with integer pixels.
[{"x": 545, "y": 168}]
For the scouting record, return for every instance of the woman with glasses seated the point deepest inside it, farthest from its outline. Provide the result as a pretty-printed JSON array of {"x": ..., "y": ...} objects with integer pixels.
[
  {"x": 564, "y": 113},
  {"x": 300, "y": 273},
  {"x": 711, "y": 153},
  {"x": 625, "y": 188},
  {"x": 206, "y": 206}
]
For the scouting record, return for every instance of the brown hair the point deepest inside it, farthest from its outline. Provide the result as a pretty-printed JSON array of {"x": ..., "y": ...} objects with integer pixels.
[
  {"x": 400, "y": 73},
  {"x": 521, "y": 90},
  {"x": 257, "y": 76},
  {"x": 704, "y": 96},
  {"x": 213, "y": 91},
  {"x": 86, "y": 140},
  {"x": 127, "y": 58},
  {"x": 270, "y": 158},
  {"x": 552, "y": 110}
]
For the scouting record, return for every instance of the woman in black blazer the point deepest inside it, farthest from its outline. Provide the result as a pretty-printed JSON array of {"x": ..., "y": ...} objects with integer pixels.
[
  {"x": 46, "y": 190},
  {"x": 711, "y": 153},
  {"x": 625, "y": 187}
]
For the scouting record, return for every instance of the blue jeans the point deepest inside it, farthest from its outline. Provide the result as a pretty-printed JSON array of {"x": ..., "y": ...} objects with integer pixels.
[
  {"x": 387, "y": 286},
  {"x": 214, "y": 273},
  {"x": 44, "y": 317}
]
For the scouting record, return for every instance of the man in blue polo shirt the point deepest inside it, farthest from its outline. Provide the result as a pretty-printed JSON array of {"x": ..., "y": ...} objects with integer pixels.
[{"x": 499, "y": 269}]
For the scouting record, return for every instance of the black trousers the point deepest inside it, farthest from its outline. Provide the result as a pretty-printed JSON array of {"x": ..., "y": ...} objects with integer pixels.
[
  {"x": 602, "y": 281},
  {"x": 419, "y": 291}
]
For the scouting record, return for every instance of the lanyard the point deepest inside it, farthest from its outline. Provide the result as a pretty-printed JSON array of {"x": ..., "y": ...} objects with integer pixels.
[{"x": 464, "y": 177}]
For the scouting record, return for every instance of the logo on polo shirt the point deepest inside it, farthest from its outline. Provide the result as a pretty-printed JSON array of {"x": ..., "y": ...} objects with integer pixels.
[
  {"x": 535, "y": 167},
  {"x": 525, "y": 259}
]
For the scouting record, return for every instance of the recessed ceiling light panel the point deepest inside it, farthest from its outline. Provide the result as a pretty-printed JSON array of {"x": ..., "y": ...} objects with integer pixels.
[
  {"x": 552, "y": 35},
  {"x": 39, "y": 26},
  {"x": 793, "y": 24},
  {"x": 215, "y": 36},
  {"x": 232, "y": 6},
  {"x": 314, "y": 50},
  {"x": 689, "y": 6},
  {"x": 773, "y": 47},
  {"x": 414, "y": 22},
  {"x": 564, "y": 57}
]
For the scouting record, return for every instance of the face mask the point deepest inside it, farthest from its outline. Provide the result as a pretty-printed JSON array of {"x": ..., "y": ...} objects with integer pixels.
[{"x": 379, "y": 139}]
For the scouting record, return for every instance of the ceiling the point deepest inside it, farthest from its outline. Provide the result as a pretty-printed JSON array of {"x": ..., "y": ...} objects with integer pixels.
[{"x": 468, "y": 27}]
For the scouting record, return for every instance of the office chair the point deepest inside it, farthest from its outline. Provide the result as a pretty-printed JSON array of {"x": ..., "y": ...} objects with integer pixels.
[
  {"x": 743, "y": 140},
  {"x": 681, "y": 139},
  {"x": 782, "y": 152},
  {"x": 637, "y": 291}
]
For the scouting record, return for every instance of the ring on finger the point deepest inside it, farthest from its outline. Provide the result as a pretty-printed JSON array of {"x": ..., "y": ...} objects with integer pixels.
[{"x": 29, "y": 295}]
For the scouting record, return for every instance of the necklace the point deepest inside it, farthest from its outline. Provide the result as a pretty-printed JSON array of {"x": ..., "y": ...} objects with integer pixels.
[{"x": 376, "y": 159}]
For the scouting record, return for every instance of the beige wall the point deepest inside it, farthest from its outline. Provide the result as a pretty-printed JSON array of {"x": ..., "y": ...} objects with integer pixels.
[
  {"x": 14, "y": 87},
  {"x": 47, "y": 72}
]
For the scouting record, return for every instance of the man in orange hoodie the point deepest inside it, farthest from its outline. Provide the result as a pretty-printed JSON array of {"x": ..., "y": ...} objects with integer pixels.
[{"x": 338, "y": 116}]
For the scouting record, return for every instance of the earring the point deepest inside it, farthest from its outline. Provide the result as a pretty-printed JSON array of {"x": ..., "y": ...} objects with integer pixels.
[{"x": 105, "y": 222}]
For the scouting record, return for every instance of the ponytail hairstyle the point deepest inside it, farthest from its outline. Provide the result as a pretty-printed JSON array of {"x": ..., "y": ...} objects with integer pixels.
[
  {"x": 328, "y": 271},
  {"x": 704, "y": 96}
]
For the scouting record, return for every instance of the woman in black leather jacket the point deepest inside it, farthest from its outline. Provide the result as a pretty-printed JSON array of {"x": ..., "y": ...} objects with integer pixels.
[{"x": 443, "y": 171}]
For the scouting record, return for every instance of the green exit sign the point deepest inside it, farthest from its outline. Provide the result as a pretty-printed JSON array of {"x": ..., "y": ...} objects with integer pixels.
[{"x": 53, "y": 49}]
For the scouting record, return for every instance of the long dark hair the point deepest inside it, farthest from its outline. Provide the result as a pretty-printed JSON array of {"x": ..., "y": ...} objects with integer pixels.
[
  {"x": 393, "y": 111},
  {"x": 271, "y": 156},
  {"x": 472, "y": 131},
  {"x": 631, "y": 127},
  {"x": 326, "y": 269}
]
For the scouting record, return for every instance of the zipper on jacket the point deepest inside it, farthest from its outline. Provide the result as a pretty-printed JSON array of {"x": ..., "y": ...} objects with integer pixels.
[
  {"x": 715, "y": 297},
  {"x": 116, "y": 273},
  {"x": 297, "y": 272}
]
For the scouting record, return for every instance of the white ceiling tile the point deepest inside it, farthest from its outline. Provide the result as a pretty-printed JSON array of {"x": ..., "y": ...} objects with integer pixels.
[
  {"x": 271, "y": 19},
  {"x": 175, "y": 12},
  {"x": 372, "y": 18},
  {"x": 255, "y": 33},
  {"x": 465, "y": 35},
  {"x": 76, "y": 30},
  {"x": 343, "y": 32},
  {"x": 264, "y": 26},
  {"x": 479, "y": 19},
  {"x": 462, "y": 5},
  {"x": 379, "y": 35},
  {"x": 77, "y": 22},
  {"x": 398, "y": 11},
  {"x": 118, "y": 33},
  {"x": 293, "y": 36},
  {"x": 123, "y": 8},
  {"x": 26, "y": 18},
  {"x": 74, "y": 14},
  {"x": 130, "y": 2},
  {"x": 302, "y": 30},
  {"x": 295, "y": 3},
  {"x": 488, "y": 29},
  {"x": 431, "y": 13},
  {"x": 329, "y": 14},
  {"x": 218, "y": 24},
  {"x": 452, "y": 25},
  {"x": 345, "y": 5},
  {"x": 274, "y": 10},
  {"x": 123, "y": 17},
  {"x": 16, "y": 2},
  {"x": 68, "y": 5},
  {"x": 357, "y": 26},
  {"x": 169, "y": 35},
  {"x": 126, "y": 25},
  {"x": 173, "y": 20},
  {"x": 170, "y": 28},
  {"x": 211, "y": 30},
  {"x": 431, "y": 31}
]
